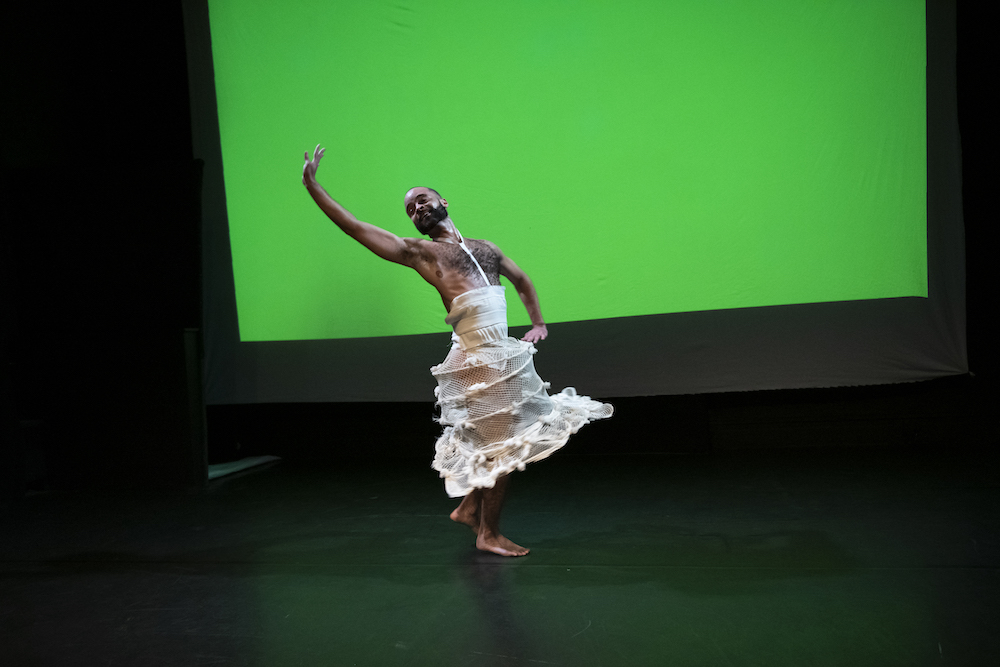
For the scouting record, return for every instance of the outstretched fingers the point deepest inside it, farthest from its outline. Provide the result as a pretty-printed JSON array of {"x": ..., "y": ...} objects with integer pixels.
[
  {"x": 309, "y": 168},
  {"x": 317, "y": 154}
]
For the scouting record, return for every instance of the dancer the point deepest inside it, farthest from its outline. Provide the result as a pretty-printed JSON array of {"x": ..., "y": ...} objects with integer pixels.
[{"x": 496, "y": 412}]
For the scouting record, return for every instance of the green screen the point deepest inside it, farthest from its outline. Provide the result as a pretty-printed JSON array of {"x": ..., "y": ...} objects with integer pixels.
[{"x": 634, "y": 158}]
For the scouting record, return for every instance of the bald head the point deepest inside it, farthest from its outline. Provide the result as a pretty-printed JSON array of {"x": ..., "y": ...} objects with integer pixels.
[{"x": 424, "y": 189}]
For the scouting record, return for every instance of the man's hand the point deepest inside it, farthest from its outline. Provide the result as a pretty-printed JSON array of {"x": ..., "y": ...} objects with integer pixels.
[
  {"x": 309, "y": 170},
  {"x": 536, "y": 333}
]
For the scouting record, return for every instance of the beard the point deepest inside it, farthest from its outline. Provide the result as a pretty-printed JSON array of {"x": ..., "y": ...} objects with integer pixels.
[{"x": 430, "y": 219}]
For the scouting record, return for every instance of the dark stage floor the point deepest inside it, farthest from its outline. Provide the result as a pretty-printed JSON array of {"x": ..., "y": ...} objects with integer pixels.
[{"x": 848, "y": 557}]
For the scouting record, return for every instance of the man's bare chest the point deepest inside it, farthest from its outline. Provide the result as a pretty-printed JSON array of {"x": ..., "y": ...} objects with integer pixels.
[{"x": 453, "y": 258}]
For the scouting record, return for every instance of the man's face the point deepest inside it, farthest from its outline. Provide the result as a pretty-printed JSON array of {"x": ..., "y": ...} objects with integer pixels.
[{"x": 425, "y": 208}]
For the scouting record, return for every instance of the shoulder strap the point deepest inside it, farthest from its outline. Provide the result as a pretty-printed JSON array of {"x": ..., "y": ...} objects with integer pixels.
[{"x": 461, "y": 242}]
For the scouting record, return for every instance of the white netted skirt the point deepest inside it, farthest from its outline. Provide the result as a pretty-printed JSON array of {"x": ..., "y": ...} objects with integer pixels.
[{"x": 497, "y": 414}]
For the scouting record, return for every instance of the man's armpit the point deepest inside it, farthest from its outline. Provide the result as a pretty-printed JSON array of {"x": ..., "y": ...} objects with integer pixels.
[{"x": 414, "y": 252}]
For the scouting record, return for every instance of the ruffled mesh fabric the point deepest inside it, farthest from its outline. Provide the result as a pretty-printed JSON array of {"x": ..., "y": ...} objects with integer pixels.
[{"x": 497, "y": 413}]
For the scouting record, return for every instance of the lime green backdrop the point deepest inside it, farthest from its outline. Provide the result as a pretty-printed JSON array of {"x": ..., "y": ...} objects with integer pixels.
[{"x": 634, "y": 157}]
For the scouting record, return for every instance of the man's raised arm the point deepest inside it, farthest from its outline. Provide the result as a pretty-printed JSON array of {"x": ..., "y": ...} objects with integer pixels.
[{"x": 381, "y": 242}]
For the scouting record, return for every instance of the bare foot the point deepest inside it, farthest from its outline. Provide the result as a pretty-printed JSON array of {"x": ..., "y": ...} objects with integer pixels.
[
  {"x": 470, "y": 519},
  {"x": 499, "y": 544}
]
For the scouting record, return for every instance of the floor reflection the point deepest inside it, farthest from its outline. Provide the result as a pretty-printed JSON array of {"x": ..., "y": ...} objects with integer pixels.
[{"x": 490, "y": 582}]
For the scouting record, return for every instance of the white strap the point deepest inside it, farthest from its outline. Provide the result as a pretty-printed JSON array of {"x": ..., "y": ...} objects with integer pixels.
[{"x": 461, "y": 242}]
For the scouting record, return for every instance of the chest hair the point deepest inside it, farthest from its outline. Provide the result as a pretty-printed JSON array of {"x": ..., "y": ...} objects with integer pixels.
[{"x": 454, "y": 258}]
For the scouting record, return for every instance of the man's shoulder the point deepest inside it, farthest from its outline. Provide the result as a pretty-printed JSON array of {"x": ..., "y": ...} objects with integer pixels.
[
  {"x": 489, "y": 244},
  {"x": 417, "y": 243}
]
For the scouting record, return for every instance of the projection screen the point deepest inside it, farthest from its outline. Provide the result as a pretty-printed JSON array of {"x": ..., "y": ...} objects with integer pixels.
[{"x": 708, "y": 196}]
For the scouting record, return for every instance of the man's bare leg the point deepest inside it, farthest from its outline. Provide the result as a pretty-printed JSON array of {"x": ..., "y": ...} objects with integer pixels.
[
  {"x": 468, "y": 511},
  {"x": 489, "y": 538}
]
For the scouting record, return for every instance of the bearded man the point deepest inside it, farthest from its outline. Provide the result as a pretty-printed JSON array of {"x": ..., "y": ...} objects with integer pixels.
[{"x": 496, "y": 412}]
